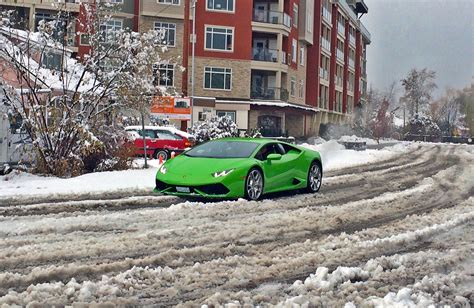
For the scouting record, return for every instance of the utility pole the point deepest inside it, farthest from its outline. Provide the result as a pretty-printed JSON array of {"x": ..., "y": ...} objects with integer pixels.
[{"x": 193, "y": 48}]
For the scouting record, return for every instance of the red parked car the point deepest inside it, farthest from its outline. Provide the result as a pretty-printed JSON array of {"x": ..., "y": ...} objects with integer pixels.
[{"x": 160, "y": 140}]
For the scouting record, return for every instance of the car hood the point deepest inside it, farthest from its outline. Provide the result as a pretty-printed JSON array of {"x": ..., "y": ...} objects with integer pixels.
[{"x": 202, "y": 166}]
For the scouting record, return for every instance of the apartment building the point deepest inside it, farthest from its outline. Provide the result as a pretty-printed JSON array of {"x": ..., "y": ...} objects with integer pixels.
[{"x": 284, "y": 66}]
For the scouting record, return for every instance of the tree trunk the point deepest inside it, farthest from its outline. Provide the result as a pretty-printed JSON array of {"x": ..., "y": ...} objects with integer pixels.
[{"x": 144, "y": 139}]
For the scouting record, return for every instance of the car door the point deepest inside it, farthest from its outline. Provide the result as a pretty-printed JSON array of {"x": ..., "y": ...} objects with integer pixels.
[
  {"x": 274, "y": 170},
  {"x": 288, "y": 161}
]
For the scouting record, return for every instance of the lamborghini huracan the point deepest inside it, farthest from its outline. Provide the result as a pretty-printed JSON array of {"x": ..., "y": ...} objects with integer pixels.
[{"x": 240, "y": 167}]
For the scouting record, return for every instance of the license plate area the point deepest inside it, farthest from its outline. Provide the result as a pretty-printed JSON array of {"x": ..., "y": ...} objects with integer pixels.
[{"x": 183, "y": 189}]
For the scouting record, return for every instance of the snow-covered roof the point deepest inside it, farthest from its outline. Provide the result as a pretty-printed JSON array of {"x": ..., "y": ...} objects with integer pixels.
[
  {"x": 33, "y": 37},
  {"x": 48, "y": 78},
  {"x": 269, "y": 103}
]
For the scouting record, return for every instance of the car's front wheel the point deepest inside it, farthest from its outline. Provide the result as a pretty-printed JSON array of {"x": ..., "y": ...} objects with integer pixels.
[
  {"x": 254, "y": 184},
  {"x": 315, "y": 178}
]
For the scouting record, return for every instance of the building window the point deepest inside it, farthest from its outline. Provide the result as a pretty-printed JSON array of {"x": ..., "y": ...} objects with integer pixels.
[
  {"x": 217, "y": 78},
  {"x": 294, "y": 50},
  {"x": 109, "y": 29},
  {"x": 293, "y": 86},
  {"x": 166, "y": 75},
  {"x": 295, "y": 15},
  {"x": 202, "y": 116},
  {"x": 220, "y": 5},
  {"x": 175, "y": 2},
  {"x": 301, "y": 89},
  {"x": 302, "y": 56},
  {"x": 219, "y": 38},
  {"x": 52, "y": 61},
  {"x": 228, "y": 114},
  {"x": 84, "y": 39},
  {"x": 169, "y": 35}
]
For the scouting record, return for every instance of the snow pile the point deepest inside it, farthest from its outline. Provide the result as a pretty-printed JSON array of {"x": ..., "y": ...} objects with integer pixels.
[
  {"x": 20, "y": 184},
  {"x": 335, "y": 156},
  {"x": 368, "y": 141},
  {"x": 124, "y": 285}
]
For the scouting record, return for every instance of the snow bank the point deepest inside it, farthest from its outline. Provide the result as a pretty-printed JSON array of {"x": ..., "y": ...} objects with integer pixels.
[
  {"x": 335, "y": 156},
  {"x": 354, "y": 138},
  {"x": 21, "y": 184}
]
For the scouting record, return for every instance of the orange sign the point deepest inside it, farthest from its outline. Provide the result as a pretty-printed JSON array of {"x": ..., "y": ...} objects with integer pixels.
[{"x": 172, "y": 107}]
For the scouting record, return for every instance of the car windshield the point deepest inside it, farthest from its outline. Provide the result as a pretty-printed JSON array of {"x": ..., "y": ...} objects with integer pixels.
[{"x": 223, "y": 149}]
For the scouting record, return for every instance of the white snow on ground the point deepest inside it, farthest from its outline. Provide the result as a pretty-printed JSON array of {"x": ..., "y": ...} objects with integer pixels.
[
  {"x": 383, "y": 237},
  {"x": 20, "y": 184},
  {"x": 368, "y": 141},
  {"x": 335, "y": 156}
]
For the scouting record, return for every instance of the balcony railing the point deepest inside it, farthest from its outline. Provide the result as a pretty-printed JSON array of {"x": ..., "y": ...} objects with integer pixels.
[
  {"x": 323, "y": 74},
  {"x": 352, "y": 39},
  {"x": 339, "y": 81},
  {"x": 271, "y": 17},
  {"x": 351, "y": 63},
  {"x": 326, "y": 15},
  {"x": 364, "y": 31},
  {"x": 326, "y": 44},
  {"x": 340, "y": 54},
  {"x": 264, "y": 54},
  {"x": 341, "y": 28},
  {"x": 269, "y": 93}
]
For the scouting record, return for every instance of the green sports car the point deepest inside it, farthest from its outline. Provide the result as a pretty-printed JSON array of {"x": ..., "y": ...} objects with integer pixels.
[{"x": 240, "y": 167}]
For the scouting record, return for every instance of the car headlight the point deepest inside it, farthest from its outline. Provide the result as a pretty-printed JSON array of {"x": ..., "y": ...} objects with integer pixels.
[
  {"x": 222, "y": 173},
  {"x": 163, "y": 169}
]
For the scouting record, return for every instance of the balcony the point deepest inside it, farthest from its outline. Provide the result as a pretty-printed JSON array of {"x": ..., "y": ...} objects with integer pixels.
[
  {"x": 341, "y": 28},
  {"x": 340, "y": 54},
  {"x": 364, "y": 31},
  {"x": 271, "y": 17},
  {"x": 323, "y": 74},
  {"x": 264, "y": 54},
  {"x": 268, "y": 93},
  {"x": 351, "y": 63},
  {"x": 326, "y": 44},
  {"x": 339, "y": 82},
  {"x": 352, "y": 39},
  {"x": 327, "y": 16}
]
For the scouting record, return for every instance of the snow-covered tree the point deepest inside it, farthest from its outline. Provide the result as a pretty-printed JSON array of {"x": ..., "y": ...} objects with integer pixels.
[
  {"x": 423, "y": 125},
  {"x": 418, "y": 86},
  {"x": 66, "y": 105},
  {"x": 214, "y": 128}
]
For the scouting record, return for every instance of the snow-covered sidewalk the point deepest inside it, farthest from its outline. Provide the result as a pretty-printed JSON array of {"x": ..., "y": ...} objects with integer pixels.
[{"x": 23, "y": 185}]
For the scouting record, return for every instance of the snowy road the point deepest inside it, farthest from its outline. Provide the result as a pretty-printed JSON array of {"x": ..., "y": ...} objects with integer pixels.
[{"x": 403, "y": 225}]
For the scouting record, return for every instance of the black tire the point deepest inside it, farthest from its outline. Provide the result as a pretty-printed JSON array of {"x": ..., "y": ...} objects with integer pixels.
[
  {"x": 315, "y": 177},
  {"x": 162, "y": 153},
  {"x": 253, "y": 190}
]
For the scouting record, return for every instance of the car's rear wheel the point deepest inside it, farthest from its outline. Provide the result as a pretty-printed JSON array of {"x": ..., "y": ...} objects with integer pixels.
[
  {"x": 315, "y": 178},
  {"x": 254, "y": 184},
  {"x": 161, "y": 153}
]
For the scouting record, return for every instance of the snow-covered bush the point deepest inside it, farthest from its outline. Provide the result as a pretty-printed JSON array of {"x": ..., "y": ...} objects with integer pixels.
[
  {"x": 253, "y": 133},
  {"x": 423, "y": 125},
  {"x": 214, "y": 128}
]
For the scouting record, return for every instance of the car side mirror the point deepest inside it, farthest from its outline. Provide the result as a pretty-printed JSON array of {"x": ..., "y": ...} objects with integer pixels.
[{"x": 274, "y": 157}]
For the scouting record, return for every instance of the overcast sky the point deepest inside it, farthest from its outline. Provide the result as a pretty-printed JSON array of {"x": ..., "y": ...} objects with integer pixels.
[{"x": 437, "y": 34}]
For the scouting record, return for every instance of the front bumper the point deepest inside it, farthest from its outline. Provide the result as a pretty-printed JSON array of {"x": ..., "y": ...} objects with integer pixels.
[{"x": 216, "y": 190}]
